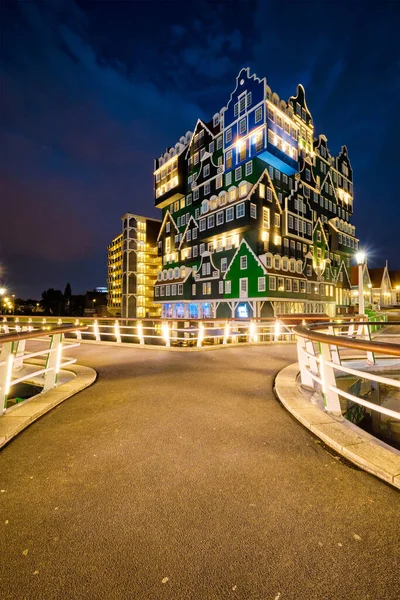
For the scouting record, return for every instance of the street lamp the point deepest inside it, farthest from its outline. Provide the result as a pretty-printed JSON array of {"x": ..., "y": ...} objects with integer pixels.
[
  {"x": 360, "y": 259},
  {"x": 2, "y": 291}
]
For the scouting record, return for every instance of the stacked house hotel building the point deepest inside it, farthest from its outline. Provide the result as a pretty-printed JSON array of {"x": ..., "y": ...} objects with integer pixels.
[{"x": 256, "y": 213}]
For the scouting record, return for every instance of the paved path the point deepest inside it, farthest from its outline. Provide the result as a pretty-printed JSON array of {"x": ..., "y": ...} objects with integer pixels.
[{"x": 179, "y": 476}]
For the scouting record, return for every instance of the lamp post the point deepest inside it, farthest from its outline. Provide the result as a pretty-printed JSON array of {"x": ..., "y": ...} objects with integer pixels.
[{"x": 360, "y": 258}]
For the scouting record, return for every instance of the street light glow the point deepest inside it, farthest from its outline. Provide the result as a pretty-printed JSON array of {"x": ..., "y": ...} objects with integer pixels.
[{"x": 360, "y": 258}]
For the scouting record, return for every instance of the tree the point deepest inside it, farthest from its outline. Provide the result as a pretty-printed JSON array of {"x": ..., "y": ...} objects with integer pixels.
[
  {"x": 53, "y": 302},
  {"x": 67, "y": 298}
]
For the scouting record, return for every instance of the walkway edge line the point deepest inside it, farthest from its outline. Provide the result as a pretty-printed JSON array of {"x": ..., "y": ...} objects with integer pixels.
[
  {"x": 12, "y": 423},
  {"x": 336, "y": 432}
]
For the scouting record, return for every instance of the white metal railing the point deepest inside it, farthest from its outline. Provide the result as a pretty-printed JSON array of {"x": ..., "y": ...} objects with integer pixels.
[
  {"x": 321, "y": 362},
  {"x": 16, "y": 365},
  {"x": 178, "y": 332}
]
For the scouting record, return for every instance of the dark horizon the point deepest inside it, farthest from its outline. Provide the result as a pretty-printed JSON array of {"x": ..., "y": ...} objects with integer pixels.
[{"x": 93, "y": 92}]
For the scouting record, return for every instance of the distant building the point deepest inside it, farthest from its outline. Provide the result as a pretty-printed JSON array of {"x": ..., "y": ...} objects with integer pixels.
[
  {"x": 257, "y": 212},
  {"x": 395, "y": 281},
  {"x": 367, "y": 285},
  {"x": 114, "y": 276},
  {"x": 140, "y": 265},
  {"x": 381, "y": 286}
]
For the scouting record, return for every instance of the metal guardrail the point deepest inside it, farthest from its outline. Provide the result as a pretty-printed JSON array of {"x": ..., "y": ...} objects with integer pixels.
[
  {"x": 320, "y": 361},
  {"x": 182, "y": 332},
  {"x": 13, "y": 357}
]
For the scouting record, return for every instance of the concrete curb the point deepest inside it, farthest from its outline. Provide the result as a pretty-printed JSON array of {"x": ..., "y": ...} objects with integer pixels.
[
  {"x": 20, "y": 417},
  {"x": 344, "y": 437}
]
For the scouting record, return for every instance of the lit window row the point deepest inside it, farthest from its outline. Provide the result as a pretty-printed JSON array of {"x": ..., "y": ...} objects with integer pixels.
[
  {"x": 283, "y": 123},
  {"x": 167, "y": 169},
  {"x": 167, "y": 186},
  {"x": 169, "y": 290},
  {"x": 282, "y": 145}
]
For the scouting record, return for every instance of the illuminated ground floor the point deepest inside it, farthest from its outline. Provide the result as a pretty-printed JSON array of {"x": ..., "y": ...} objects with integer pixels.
[{"x": 248, "y": 308}]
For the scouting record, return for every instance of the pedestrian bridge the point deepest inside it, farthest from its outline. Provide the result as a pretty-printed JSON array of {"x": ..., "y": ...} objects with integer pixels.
[{"x": 182, "y": 477}]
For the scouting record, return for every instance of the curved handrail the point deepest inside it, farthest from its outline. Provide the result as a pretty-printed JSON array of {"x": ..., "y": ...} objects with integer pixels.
[
  {"x": 309, "y": 332},
  {"x": 25, "y": 335},
  {"x": 282, "y": 317}
]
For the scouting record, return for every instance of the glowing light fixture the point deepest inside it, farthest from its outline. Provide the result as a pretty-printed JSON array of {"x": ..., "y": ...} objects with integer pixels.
[{"x": 360, "y": 258}]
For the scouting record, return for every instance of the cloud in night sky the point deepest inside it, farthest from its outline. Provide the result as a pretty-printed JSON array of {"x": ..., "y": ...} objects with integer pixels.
[{"x": 92, "y": 92}]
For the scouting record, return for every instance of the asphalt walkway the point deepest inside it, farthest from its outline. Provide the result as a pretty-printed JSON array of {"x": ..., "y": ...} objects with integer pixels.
[{"x": 179, "y": 476}]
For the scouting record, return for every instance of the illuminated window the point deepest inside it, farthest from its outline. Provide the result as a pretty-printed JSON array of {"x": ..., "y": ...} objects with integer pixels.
[
  {"x": 266, "y": 218},
  {"x": 271, "y": 137},
  {"x": 229, "y": 159},
  {"x": 242, "y": 189},
  {"x": 261, "y": 190},
  {"x": 259, "y": 141}
]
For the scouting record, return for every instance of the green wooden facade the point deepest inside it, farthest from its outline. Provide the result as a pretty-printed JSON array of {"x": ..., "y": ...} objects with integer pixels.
[{"x": 256, "y": 212}]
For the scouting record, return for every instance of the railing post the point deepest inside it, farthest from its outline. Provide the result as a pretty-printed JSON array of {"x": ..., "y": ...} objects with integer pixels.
[
  {"x": 78, "y": 331},
  {"x": 19, "y": 354},
  {"x": 6, "y": 367},
  {"x": 334, "y": 349},
  {"x": 96, "y": 330},
  {"x": 304, "y": 362},
  {"x": 367, "y": 336},
  {"x": 165, "y": 332},
  {"x": 252, "y": 332},
  {"x": 328, "y": 380},
  {"x": 226, "y": 333},
  {"x": 277, "y": 330},
  {"x": 6, "y": 327},
  {"x": 140, "y": 333},
  {"x": 200, "y": 335},
  {"x": 117, "y": 332},
  {"x": 53, "y": 362}
]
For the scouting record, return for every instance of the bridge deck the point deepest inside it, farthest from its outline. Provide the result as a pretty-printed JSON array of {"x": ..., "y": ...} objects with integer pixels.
[{"x": 184, "y": 469}]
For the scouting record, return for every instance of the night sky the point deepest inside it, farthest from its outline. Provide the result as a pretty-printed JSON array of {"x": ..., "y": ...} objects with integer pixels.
[{"x": 92, "y": 92}]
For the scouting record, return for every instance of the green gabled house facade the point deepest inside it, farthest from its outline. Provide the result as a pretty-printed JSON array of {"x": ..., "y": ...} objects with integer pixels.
[{"x": 256, "y": 213}]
